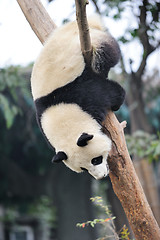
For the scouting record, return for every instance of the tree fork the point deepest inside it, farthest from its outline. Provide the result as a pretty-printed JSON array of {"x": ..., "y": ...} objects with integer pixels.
[{"x": 123, "y": 176}]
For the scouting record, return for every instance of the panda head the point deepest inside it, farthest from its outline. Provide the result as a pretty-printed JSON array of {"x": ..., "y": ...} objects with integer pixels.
[{"x": 90, "y": 154}]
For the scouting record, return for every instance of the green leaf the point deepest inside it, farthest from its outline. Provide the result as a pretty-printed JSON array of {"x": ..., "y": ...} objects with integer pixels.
[
  {"x": 92, "y": 224},
  {"x": 9, "y": 111},
  {"x": 134, "y": 33},
  {"x": 123, "y": 40}
]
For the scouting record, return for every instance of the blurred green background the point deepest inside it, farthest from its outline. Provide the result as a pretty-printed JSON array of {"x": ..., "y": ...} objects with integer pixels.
[{"x": 42, "y": 201}]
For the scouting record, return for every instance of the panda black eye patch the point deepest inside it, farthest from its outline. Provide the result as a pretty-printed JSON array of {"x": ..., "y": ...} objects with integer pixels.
[{"x": 97, "y": 160}]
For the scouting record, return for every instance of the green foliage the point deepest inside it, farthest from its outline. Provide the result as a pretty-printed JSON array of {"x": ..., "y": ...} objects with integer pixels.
[
  {"x": 123, "y": 39},
  {"x": 10, "y": 215},
  {"x": 9, "y": 111},
  {"x": 24, "y": 153},
  {"x": 43, "y": 209},
  {"x": 125, "y": 233},
  {"x": 153, "y": 98},
  {"x": 154, "y": 149},
  {"x": 134, "y": 33},
  {"x": 116, "y": 9},
  {"x": 99, "y": 202},
  {"x": 106, "y": 222},
  {"x": 11, "y": 81},
  {"x": 143, "y": 144},
  {"x": 111, "y": 4}
]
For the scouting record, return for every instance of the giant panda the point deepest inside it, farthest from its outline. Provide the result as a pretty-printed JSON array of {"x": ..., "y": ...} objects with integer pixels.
[{"x": 72, "y": 98}]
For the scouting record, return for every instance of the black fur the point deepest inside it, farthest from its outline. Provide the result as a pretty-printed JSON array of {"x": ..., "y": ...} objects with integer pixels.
[
  {"x": 83, "y": 139},
  {"x": 105, "y": 56},
  {"x": 59, "y": 157},
  {"x": 91, "y": 91}
]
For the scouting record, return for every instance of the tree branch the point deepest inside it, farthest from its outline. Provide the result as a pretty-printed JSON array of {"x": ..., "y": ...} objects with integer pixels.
[
  {"x": 96, "y": 6},
  {"x": 144, "y": 38},
  {"x": 126, "y": 184},
  {"x": 36, "y": 15},
  {"x": 124, "y": 179},
  {"x": 83, "y": 27}
]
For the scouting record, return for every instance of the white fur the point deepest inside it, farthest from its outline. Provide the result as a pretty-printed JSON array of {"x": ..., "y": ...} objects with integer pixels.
[
  {"x": 63, "y": 124},
  {"x": 61, "y": 60}
]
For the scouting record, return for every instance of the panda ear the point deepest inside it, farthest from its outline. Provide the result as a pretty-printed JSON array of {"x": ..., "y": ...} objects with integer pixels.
[
  {"x": 83, "y": 139},
  {"x": 59, "y": 157}
]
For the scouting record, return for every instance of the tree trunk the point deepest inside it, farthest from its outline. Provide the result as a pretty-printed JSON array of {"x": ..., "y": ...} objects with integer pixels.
[
  {"x": 146, "y": 175},
  {"x": 135, "y": 101},
  {"x": 118, "y": 211},
  {"x": 127, "y": 186},
  {"x": 139, "y": 121}
]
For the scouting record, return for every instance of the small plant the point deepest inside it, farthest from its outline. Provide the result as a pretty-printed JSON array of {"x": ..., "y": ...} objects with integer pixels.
[
  {"x": 106, "y": 222},
  {"x": 99, "y": 202},
  {"x": 124, "y": 233}
]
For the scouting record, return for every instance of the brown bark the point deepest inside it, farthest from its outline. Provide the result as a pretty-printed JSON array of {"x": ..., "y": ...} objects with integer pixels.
[
  {"x": 146, "y": 176},
  {"x": 124, "y": 179},
  {"x": 38, "y": 18},
  {"x": 83, "y": 27}
]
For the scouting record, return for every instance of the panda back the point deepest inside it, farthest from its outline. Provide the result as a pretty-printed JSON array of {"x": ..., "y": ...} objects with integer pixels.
[
  {"x": 61, "y": 60},
  {"x": 59, "y": 63}
]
